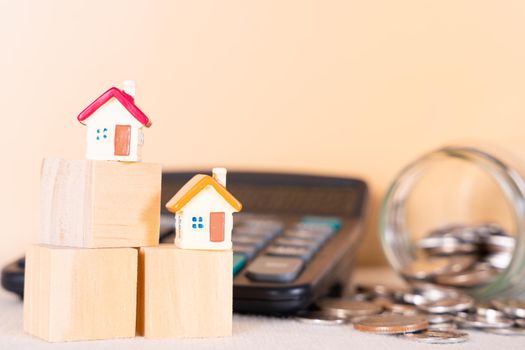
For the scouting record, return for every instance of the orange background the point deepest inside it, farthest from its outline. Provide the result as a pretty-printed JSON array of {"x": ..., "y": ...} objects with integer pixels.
[{"x": 330, "y": 87}]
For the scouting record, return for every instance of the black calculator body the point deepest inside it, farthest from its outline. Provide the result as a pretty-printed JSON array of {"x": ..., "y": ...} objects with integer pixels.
[{"x": 294, "y": 241}]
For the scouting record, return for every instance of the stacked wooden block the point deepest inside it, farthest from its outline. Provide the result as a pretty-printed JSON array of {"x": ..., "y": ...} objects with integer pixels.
[
  {"x": 185, "y": 289},
  {"x": 98, "y": 271},
  {"x": 81, "y": 280},
  {"x": 184, "y": 293}
]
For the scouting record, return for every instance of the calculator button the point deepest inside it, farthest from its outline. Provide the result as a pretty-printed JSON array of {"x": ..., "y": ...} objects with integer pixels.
[
  {"x": 334, "y": 222},
  {"x": 251, "y": 240},
  {"x": 292, "y": 252},
  {"x": 255, "y": 230},
  {"x": 274, "y": 269},
  {"x": 251, "y": 231},
  {"x": 247, "y": 250},
  {"x": 297, "y": 242},
  {"x": 239, "y": 260},
  {"x": 318, "y": 228},
  {"x": 320, "y": 237}
]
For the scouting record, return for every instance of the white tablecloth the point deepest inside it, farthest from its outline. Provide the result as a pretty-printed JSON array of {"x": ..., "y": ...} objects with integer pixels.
[{"x": 254, "y": 332}]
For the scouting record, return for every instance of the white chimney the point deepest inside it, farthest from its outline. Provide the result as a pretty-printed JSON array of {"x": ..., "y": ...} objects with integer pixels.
[
  {"x": 129, "y": 87},
  {"x": 219, "y": 174}
]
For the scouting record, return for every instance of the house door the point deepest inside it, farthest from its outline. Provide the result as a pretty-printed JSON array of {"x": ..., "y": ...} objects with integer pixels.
[
  {"x": 122, "y": 140},
  {"x": 217, "y": 227}
]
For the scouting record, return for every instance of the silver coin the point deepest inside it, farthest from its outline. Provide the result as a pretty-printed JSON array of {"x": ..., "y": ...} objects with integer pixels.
[
  {"x": 457, "y": 248},
  {"x": 445, "y": 326},
  {"x": 415, "y": 299},
  {"x": 319, "y": 318},
  {"x": 438, "y": 336},
  {"x": 506, "y": 331},
  {"x": 448, "y": 305},
  {"x": 479, "y": 322},
  {"x": 499, "y": 243},
  {"x": 480, "y": 275},
  {"x": 432, "y": 292},
  {"x": 349, "y": 308},
  {"x": 435, "y": 242},
  {"x": 487, "y": 311},
  {"x": 440, "y": 318},
  {"x": 425, "y": 268},
  {"x": 500, "y": 260},
  {"x": 511, "y": 307}
]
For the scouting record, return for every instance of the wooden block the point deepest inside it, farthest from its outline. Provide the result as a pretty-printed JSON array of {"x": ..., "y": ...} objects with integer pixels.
[
  {"x": 184, "y": 293},
  {"x": 95, "y": 204},
  {"x": 80, "y": 294}
]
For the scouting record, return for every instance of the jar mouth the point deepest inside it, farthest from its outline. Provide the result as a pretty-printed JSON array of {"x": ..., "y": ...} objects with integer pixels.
[{"x": 393, "y": 228}]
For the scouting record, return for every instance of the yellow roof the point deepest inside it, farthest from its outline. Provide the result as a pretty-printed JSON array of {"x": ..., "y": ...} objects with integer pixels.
[{"x": 193, "y": 187}]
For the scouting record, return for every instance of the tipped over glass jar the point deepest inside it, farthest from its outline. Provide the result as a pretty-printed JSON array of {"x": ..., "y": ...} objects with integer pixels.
[{"x": 456, "y": 217}]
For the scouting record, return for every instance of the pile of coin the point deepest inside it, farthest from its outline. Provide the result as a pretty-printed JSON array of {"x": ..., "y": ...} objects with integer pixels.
[
  {"x": 461, "y": 256},
  {"x": 423, "y": 312}
]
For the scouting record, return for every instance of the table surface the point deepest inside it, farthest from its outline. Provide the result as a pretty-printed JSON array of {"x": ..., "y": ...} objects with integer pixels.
[{"x": 255, "y": 332}]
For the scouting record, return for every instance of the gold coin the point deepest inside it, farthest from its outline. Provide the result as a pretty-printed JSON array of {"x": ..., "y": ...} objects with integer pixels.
[
  {"x": 391, "y": 324},
  {"x": 348, "y": 307}
]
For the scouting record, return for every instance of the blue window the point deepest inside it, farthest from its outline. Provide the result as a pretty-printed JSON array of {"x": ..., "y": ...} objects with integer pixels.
[
  {"x": 102, "y": 134},
  {"x": 197, "y": 222}
]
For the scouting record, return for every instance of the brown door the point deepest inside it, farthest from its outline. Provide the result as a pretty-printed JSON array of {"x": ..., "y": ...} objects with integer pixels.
[
  {"x": 216, "y": 227},
  {"x": 122, "y": 140}
]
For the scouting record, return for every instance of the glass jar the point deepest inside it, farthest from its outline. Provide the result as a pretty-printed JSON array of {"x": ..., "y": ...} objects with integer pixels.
[{"x": 457, "y": 185}]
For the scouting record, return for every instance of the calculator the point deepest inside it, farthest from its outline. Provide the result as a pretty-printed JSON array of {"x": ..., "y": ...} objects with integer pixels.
[{"x": 295, "y": 240}]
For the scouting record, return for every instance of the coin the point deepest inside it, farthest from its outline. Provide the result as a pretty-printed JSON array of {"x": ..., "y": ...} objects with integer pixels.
[
  {"x": 424, "y": 269},
  {"x": 319, "y": 318},
  {"x": 427, "y": 268},
  {"x": 507, "y": 331},
  {"x": 485, "y": 310},
  {"x": 433, "y": 292},
  {"x": 446, "y": 245},
  {"x": 451, "y": 249},
  {"x": 435, "y": 241},
  {"x": 383, "y": 302},
  {"x": 447, "y": 305},
  {"x": 439, "y": 318},
  {"x": 499, "y": 260},
  {"x": 480, "y": 275},
  {"x": 480, "y": 322},
  {"x": 414, "y": 299},
  {"x": 511, "y": 307},
  {"x": 349, "y": 308},
  {"x": 460, "y": 263},
  {"x": 438, "y": 336},
  {"x": 403, "y": 309},
  {"x": 445, "y": 326},
  {"x": 499, "y": 243},
  {"x": 391, "y": 324}
]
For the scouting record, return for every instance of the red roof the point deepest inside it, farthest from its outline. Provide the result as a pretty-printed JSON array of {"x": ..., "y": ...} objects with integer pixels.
[{"x": 126, "y": 100}]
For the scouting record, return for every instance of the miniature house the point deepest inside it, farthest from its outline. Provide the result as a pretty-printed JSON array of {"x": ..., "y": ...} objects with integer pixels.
[
  {"x": 114, "y": 125},
  {"x": 204, "y": 212}
]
